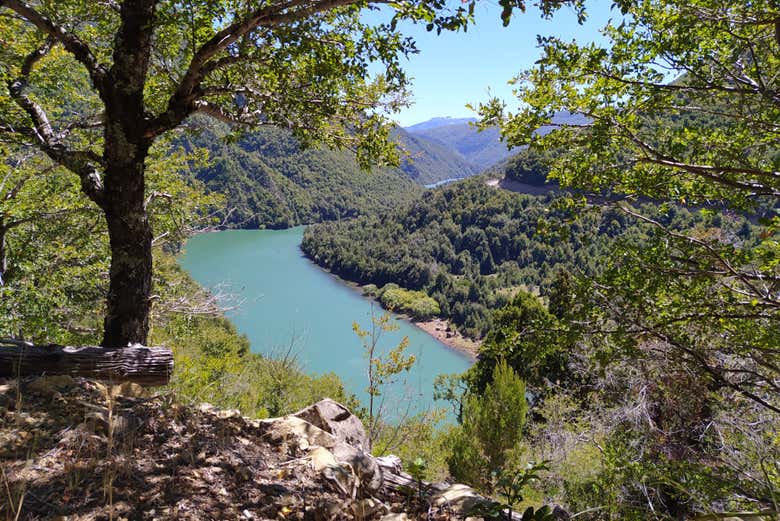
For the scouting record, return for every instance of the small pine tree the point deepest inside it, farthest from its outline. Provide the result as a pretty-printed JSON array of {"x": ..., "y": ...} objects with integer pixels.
[{"x": 491, "y": 427}]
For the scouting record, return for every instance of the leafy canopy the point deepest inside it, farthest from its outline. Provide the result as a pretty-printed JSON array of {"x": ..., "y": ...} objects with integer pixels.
[{"x": 682, "y": 106}]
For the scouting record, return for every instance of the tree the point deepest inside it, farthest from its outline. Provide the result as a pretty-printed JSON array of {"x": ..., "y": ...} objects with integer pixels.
[
  {"x": 682, "y": 106},
  {"x": 94, "y": 86},
  {"x": 383, "y": 368},
  {"x": 491, "y": 426},
  {"x": 524, "y": 335},
  {"x": 54, "y": 254}
]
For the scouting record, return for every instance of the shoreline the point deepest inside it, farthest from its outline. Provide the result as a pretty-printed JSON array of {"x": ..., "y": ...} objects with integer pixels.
[
  {"x": 438, "y": 328},
  {"x": 441, "y": 330}
]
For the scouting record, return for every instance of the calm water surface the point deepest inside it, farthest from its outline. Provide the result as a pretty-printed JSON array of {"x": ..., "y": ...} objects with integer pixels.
[{"x": 286, "y": 299}]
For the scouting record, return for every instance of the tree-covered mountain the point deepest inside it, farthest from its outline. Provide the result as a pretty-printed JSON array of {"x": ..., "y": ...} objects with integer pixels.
[
  {"x": 481, "y": 148},
  {"x": 429, "y": 161},
  {"x": 472, "y": 247},
  {"x": 270, "y": 181},
  {"x": 527, "y": 166}
]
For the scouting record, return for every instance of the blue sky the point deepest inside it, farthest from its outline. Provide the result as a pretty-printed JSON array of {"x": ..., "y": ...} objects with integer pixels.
[{"x": 457, "y": 68}]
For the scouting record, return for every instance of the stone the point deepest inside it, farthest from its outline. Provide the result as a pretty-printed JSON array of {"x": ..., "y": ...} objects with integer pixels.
[
  {"x": 363, "y": 465},
  {"x": 334, "y": 418},
  {"x": 395, "y": 517},
  {"x": 460, "y": 498},
  {"x": 292, "y": 429},
  {"x": 130, "y": 390},
  {"x": 367, "y": 508},
  {"x": 49, "y": 385},
  {"x": 390, "y": 463},
  {"x": 322, "y": 458}
]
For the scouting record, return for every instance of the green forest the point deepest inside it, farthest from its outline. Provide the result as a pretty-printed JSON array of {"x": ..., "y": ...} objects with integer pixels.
[
  {"x": 628, "y": 321},
  {"x": 472, "y": 247}
]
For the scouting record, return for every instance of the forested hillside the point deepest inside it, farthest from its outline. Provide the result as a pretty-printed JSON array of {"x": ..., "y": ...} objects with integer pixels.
[
  {"x": 472, "y": 247},
  {"x": 269, "y": 181},
  {"x": 482, "y": 149},
  {"x": 428, "y": 161}
]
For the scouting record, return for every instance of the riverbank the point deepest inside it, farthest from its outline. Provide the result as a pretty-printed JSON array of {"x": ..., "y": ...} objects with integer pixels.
[
  {"x": 437, "y": 328},
  {"x": 442, "y": 331}
]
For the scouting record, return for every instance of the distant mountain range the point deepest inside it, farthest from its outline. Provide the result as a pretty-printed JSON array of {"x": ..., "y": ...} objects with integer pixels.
[
  {"x": 480, "y": 149},
  {"x": 438, "y": 122},
  {"x": 269, "y": 181},
  {"x": 429, "y": 161}
]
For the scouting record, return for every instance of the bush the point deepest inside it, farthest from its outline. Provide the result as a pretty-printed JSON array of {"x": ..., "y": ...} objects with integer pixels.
[
  {"x": 490, "y": 430},
  {"x": 415, "y": 303}
]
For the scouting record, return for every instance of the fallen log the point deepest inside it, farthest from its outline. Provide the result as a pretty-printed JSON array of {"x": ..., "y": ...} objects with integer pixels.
[{"x": 148, "y": 366}]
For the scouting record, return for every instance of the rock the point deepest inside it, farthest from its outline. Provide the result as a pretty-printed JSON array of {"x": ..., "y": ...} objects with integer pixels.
[
  {"x": 395, "y": 517},
  {"x": 334, "y": 418},
  {"x": 49, "y": 385},
  {"x": 8, "y": 387},
  {"x": 389, "y": 463},
  {"x": 367, "y": 508},
  {"x": 559, "y": 513},
  {"x": 322, "y": 458},
  {"x": 460, "y": 498},
  {"x": 363, "y": 465},
  {"x": 291, "y": 429},
  {"x": 207, "y": 408},
  {"x": 228, "y": 413},
  {"x": 343, "y": 477},
  {"x": 130, "y": 390}
]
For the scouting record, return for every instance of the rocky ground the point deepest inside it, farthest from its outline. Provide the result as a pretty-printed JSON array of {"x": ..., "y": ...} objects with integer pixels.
[{"x": 74, "y": 449}]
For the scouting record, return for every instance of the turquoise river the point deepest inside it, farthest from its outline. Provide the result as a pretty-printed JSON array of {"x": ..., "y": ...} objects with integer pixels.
[{"x": 285, "y": 300}]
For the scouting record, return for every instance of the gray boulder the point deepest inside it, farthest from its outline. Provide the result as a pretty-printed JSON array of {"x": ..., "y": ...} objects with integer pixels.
[{"x": 334, "y": 418}]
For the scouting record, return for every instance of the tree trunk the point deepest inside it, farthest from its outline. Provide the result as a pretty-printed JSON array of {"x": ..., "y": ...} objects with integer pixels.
[
  {"x": 142, "y": 365},
  {"x": 3, "y": 255},
  {"x": 130, "y": 236},
  {"x": 125, "y": 149}
]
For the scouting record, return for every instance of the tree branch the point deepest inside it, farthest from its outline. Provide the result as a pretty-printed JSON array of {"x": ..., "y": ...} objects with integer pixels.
[
  {"x": 79, "y": 162},
  {"x": 182, "y": 102},
  {"x": 71, "y": 42}
]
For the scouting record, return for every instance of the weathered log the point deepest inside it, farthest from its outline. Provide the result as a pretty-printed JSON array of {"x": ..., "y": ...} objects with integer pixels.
[{"x": 143, "y": 365}]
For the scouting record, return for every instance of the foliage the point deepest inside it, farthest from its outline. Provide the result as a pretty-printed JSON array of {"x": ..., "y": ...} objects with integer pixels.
[
  {"x": 269, "y": 181},
  {"x": 529, "y": 166},
  {"x": 491, "y": 427},
  {"x": 528, "y": 338},
  {"x": 416, "y": 303},
  {"x": 420, "y": 436},
  {"x": 383, "y": 368},
  {"x": 510, "y": 486},
  {"x": 54, "y": 244},
  {"x": 680, "y": 107},
  {"x": 472, "y": 247},
  {"x": 94, "y": 89}
]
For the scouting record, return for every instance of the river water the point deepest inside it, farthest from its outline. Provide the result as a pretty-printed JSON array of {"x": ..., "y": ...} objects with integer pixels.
[{"x": 286, "y": 300}]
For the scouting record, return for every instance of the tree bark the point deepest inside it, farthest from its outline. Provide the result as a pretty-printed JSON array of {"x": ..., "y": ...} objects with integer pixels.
[
  {"x": 3, "y": 255},
  {"x": 139, "y": 364},
  {"x": 125, "y": 150},
  {"x": 130, "y": 237}
]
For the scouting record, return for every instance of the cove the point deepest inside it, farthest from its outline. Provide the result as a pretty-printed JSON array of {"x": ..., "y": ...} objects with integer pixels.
[{"x": 286, "y": 300}]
